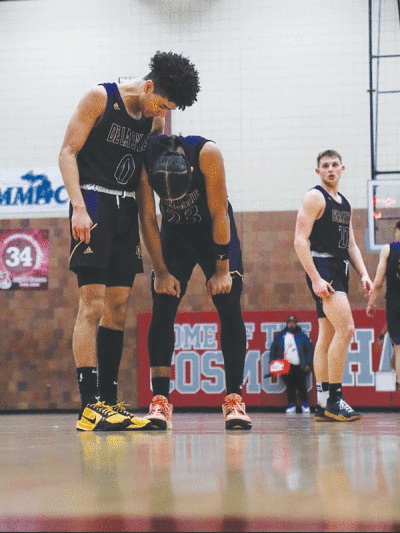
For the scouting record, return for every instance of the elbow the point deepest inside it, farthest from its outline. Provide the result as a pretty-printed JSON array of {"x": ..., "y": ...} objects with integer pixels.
[{"x": 298, "y": 243}]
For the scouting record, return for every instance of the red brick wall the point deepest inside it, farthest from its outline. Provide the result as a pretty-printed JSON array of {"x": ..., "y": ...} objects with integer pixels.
[{"x": 36, "y": 326}]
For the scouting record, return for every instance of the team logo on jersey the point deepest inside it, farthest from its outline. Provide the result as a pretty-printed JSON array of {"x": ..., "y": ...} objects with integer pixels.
[{"x": 139, "y": 251}]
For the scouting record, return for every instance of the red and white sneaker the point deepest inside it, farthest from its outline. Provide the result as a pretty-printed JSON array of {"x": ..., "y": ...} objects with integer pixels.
[
  {"x": 160, "y": 412},
  {"x": 235, "y": 413}
]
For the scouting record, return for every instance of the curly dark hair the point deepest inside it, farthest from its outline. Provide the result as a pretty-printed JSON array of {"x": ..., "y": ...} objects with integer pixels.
[{"x": 174, "y": 78}]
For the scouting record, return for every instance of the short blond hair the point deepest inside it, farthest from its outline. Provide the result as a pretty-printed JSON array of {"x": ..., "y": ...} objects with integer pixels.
[{"x": 328, "y": 153}]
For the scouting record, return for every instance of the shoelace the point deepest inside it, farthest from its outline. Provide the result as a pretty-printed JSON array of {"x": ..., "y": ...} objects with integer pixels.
[
  {"x": 345, "y": 406},
  {"x": 234, "y": 405},
  {"x": 159, "y": 406},
  {"x": 120, "y": 408},
  {"x": 101, "y": 408}
]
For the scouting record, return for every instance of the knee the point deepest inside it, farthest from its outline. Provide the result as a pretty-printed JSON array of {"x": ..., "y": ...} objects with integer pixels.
[
  {"x": 350, "y": 330},
  {"x": 347, "y": 330},
  {"x": 91, "y": 310},
  {"x": 116, "y": 314},
  {"x": 165, "y": 307}
]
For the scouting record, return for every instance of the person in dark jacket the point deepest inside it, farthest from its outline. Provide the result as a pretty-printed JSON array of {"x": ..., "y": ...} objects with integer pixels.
[{"x": 294, "y": 345}]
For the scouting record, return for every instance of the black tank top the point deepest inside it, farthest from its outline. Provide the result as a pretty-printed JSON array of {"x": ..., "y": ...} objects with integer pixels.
[
  {"x": 393, "y": 272},
  {"x": 193, "y": 207},
  {"x": 330, "y": 233},
  {"x": 112, "y": 155}
]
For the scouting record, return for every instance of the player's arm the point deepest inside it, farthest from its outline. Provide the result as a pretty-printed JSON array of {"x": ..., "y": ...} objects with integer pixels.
[
  {"x": 164, "y": 282},
  {"x": 357, "y": 262},
  {"x": 311, "y": 209},
  {"x": 212, "y": 166},
  {"x": 89, "y": 111},
  {"x": 379, "y": 278}
]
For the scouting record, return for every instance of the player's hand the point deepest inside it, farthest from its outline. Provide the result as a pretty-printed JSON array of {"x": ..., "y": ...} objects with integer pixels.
[
  {"x": 322, "y": 288},
  {"x": 368, "y": 286},
  {"x": 81, "y": 224},
  {"x": 219, "y": 284},
  {"x": 167, "y": 284}
]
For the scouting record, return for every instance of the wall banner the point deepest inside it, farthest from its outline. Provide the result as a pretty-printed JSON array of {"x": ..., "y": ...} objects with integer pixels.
[
  {"x": 24, "y": 259},
  {"x": 197, "y": 375},
  {"x": 26, "y": 193}
]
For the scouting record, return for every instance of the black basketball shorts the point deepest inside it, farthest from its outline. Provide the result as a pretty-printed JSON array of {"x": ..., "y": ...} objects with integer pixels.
[
  {"x": 393, "y": 319},
  {"x": 113, "y": 255},
  {"x": 333, "y": 270},
  {"x": 186, "y": 245}
]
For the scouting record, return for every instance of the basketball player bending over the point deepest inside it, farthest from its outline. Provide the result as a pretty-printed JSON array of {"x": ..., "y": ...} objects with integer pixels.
[{"x": 197, "y": 227}]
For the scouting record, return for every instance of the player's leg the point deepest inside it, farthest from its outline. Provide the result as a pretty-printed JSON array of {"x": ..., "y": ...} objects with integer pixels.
[
  {"x": 290, "y": 382},
  {"x": 94, "y": 415},
  {"x": 160, "y": 342},
  {"x": 110, "y": 338},
  {"x": 338, "y": 311},
  {"x": 179, "y": 260},
  {"x": 320, "y": 363},
  {"x": 90, "y": 310},
  {"x": 125, "y": 261},
  {"x": 393, "y": 325},
  {"x": 233, "y": 331}
]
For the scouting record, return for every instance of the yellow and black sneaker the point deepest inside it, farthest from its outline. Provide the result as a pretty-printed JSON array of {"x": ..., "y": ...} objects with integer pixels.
[
  {"x": 101, "y": 417},
  {"x": 137, "y": 424}
]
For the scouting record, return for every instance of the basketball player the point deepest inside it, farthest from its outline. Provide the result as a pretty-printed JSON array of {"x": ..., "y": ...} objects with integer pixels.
[
  {"x": 101, "y": 163},
  {"x": 197, "y": 227},
  {"x": 325, "y": 245},
  {"x": 389, "y": 268}
]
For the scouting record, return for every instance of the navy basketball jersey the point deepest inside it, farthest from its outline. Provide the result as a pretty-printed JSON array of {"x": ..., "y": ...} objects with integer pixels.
[
  {"x": 330, "y": 233},
  {"x": 193, "y": 207},
  {"x": 393, "y": 271},
  {"x": 112, "y": 155}
]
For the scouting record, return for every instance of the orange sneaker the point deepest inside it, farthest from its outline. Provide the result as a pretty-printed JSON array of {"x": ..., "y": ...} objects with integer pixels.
[
  {"x": 235, "y": 413},
  {"x": 160, "y": 413}
]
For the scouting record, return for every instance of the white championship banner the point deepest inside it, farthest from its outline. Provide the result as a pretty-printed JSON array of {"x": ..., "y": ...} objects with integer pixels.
[{"x": 32, "y": 193}]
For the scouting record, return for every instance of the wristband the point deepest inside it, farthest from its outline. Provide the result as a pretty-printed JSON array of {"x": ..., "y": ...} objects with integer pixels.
[{"x": 221, "y": 251}]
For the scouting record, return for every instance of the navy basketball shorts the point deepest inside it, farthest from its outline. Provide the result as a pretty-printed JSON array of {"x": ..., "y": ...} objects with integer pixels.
[
  {"x": 333, "y": 270},
  {"x": 186, "y": 245},
  {"x": 113, "y": 255},
  {"x": 393, "y": 319}
]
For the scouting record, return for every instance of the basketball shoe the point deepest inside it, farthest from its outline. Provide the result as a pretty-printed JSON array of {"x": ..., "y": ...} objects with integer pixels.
[
  {"x": 160, "y": 413},
  {"x": 137, "y": 424},
  {"x": 101, "y": 417},
  {"x": 234, "y": 412},
  {"x": 341, "y": 411},
  {"x": 320, "y": 416},
  {"x": 291, "y": 410}
]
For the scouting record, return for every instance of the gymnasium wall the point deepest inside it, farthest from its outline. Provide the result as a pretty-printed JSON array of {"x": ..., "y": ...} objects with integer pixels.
[
  {"x": 36, "y": 326},
  {"x": 281, "y": 81}
]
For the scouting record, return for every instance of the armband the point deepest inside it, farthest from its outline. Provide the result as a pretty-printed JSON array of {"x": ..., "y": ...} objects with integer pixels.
[{"x": 221, "y": 251}]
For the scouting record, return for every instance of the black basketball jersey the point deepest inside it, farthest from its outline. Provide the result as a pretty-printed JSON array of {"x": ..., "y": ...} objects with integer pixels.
[
  {"x": 393, "y": 271},
  {"x": 193, "y": 207},
  {"x": 330, "y": 233},
  {"x": 112, "y": 155}
]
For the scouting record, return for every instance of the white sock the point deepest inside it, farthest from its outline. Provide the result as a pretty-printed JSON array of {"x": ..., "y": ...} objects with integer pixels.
[{"x": 322, "y": 395}]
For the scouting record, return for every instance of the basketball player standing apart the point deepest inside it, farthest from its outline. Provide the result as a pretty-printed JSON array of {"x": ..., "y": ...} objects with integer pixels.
[
  {"x": 389, "y": 268},
  {"x": 101, "y": 165},
  {"x": 325, "y": 245}
]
